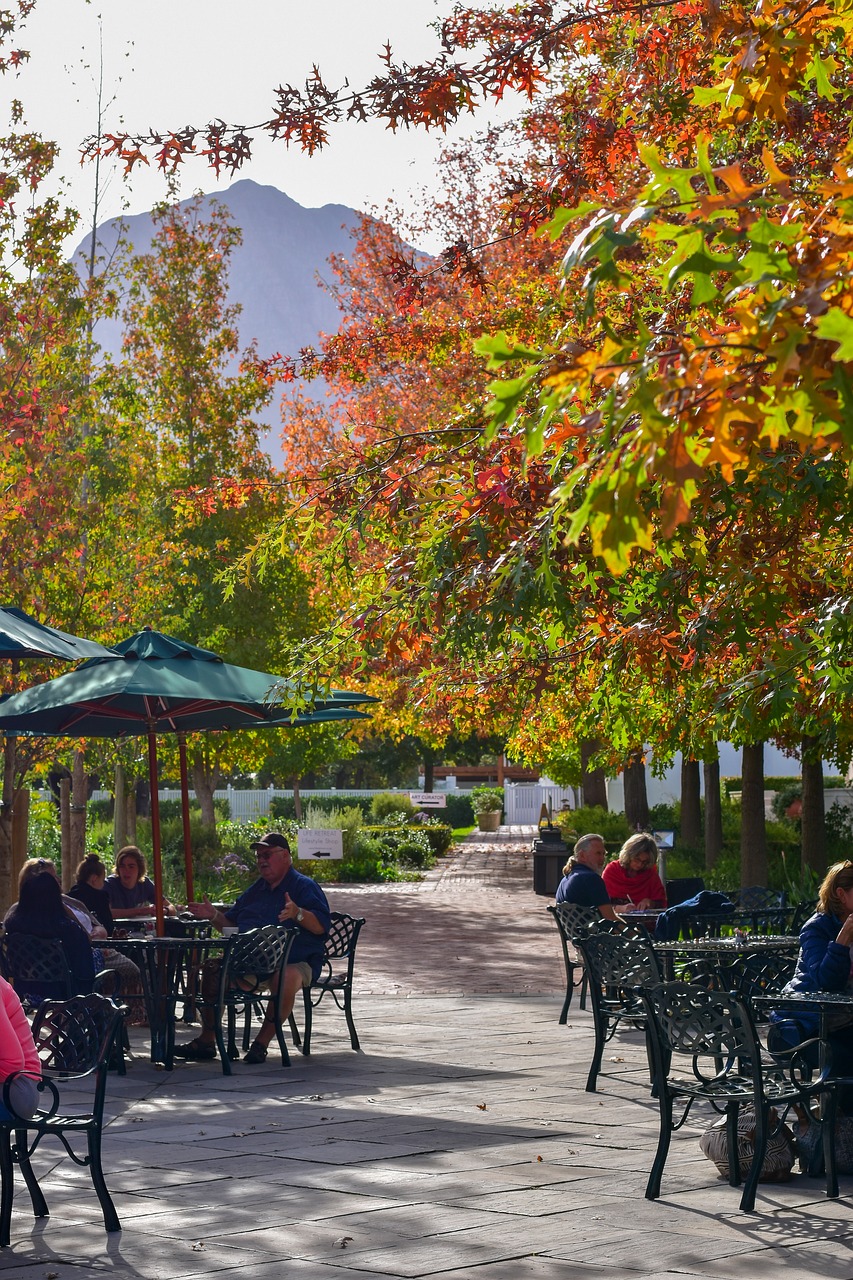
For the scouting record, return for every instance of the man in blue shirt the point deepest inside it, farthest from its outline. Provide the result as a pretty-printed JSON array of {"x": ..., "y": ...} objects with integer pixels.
[
  {"x": 582, "y": 883},
  {"x": 281, "y": 895}
]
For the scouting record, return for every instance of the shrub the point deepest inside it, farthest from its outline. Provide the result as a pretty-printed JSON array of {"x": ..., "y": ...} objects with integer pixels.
[
  {"x": 665, "y": 817},
  {"x": 172, "y": 809},
  {"x": 43, "y": 838},
  {"x": 612, "y": 827},
  {"x": 100, "y": 810},
  {"x": 459, "y": 811},
  {"x": 440, "y": 836},
  {"x": 487, "y": 799},
  {"x": 348, "y": 820},
  {"x": 284, "y": 807},
  {"x": 390, "y": 840},
  {"x": 383, "y": 806},
  {"x": 786, "y": 797},
  {"x": 100, "y": 839},
  {"x": 414, "y": 854},
  {"x": 839, "y": 833}
]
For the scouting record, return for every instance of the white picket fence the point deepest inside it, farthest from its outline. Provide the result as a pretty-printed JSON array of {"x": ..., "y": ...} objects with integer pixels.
[
  {"x": 249, "y": 806},
  {"x": 523, "y": 801}
]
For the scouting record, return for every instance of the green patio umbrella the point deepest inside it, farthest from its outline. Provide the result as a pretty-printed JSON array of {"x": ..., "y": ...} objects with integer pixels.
[
  {"x": 22, "y": 636},
  {"x": 152, "y": 683}
]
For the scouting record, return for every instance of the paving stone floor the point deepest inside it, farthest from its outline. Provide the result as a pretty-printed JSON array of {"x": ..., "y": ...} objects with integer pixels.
[{"x": 460, "y": 1143}]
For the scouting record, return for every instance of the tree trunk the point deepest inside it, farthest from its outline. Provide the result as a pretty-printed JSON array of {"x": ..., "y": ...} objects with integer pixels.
[
  {"x": 120, "y": 808},
  {"x": 429, "y": 775},
  {"x": 713, "y": 812},
  {"x": 20, "y": 832},
  {"x": 143, "y": 798},
  {"x": 812, "y": 818},
  {"x": 131, "y": 817},
  {"x": 7, "y": 893},
  {"x": 593, "y": 781},
  {"x": 636, "y": 800},
  {"x": 297, "y": 800},
  {"x": 753, "y": 837},
  {"x": 64, "y": 820},
  {"x": 204, "y": 789},
  {"x": 77, "y": 826},
  {"x": 691, "y": 810}
]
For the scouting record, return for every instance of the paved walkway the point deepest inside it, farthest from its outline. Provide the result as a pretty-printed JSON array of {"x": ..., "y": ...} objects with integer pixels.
[
  {"x": 451, "y": 933},
  {"x": 460, "y": 1144}
]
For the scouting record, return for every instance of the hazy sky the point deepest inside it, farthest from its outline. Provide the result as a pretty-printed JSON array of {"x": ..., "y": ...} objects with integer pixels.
[{"x": 173, "y": 62}]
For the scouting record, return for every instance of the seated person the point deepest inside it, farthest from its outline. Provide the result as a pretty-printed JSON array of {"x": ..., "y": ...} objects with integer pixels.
[
  {"x": 824, "y": 964},
  {"x": 582, "y": 883},
  {"x": 17, "y": 1054},
  {"x": 131, "y": 892},
  {"x": 89, "y": 889},
  {"x": 281, "y": 895},
  {"x": 633, "y": 878},
  {"x": 77, "y": 909},
  {"x": 41, "y": 913}
]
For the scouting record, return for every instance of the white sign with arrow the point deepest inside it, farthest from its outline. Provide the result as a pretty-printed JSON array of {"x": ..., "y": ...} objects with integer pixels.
[{"x": 320, "y": 844}]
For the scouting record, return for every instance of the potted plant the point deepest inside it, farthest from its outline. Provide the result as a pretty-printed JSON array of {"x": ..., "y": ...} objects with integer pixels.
[{"x": 487, "y": 803}]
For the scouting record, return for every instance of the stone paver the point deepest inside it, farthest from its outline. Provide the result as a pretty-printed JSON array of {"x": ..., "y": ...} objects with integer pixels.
[{"x": 459, "y": 1144}]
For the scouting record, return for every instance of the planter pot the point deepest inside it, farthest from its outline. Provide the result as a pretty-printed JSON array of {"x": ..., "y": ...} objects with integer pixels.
[{"x": 489, "y": 821}]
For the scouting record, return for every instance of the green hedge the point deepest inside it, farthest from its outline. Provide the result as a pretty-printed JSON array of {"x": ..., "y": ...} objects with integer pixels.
[
  {"x": 830, "y": 782},
  {"x": 283, "y": 807},
  {"x": 459, "y": 811}
]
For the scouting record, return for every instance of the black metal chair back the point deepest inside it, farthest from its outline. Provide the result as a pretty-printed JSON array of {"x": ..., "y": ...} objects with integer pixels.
[
  {"x": 765, "y": 973},
  {"x": 715, "y": 1033},
  {"x": 334, "y": 979},
  {"x": 617, "y": 963},
  {"x": 254, "y": 962},
  {"x": 803, "y": 911},
  {"x": 75, "y": 1038},
  {"x": 756, "y": 898},
  {"x": 573, "y": 921},
  {"x": 36, "y": 967},
  {"x": 682, "y": 889}
]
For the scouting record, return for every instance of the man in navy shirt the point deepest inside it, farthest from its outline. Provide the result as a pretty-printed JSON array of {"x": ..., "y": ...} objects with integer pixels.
[
  {"x": 582, "y": 883},
  {"x": 281, "y": 895}
]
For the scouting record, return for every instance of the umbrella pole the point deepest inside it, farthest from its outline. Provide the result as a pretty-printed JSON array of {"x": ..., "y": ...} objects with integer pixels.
[
  {"x": 153, "y": 781},
  {"x": 185, "y": 814}
]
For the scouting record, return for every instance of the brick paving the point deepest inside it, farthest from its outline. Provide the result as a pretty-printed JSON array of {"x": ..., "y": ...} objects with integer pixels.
[
  {"x": 459, "y": 1145},
  {"x": 472, "y": 926}
]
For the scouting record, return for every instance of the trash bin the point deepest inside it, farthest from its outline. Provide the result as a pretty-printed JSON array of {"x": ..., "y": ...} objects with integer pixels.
[{"x": 549, "y": 858}]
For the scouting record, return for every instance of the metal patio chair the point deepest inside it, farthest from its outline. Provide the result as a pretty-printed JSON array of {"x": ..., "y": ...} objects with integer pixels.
[
  {"x": 726, "y": 1067},
  {"x": 617, "y": 964},
  {"x": 75, "y": 1039},
  {"x": 335, "y": 979}
]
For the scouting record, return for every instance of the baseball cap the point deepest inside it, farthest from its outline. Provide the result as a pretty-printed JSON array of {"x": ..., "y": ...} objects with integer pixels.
[{"x": 272, "y": 840}]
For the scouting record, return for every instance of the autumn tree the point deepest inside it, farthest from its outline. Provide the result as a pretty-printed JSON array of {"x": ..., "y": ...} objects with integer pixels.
[
  {"x": 197, "y": 400},
  {"x": 662, "y": 461}
]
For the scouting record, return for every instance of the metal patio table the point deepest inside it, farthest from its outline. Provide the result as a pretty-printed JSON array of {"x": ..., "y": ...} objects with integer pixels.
[
  {"x": 752, "y": 964},
  {"x": 168, "y": 967}
]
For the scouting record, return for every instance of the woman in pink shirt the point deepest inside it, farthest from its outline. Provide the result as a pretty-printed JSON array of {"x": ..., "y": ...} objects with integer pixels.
[{"x": 17, "y": 1053}]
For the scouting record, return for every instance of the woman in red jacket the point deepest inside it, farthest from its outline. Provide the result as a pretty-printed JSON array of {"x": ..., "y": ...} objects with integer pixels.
[{"x": 633, "y": 878}]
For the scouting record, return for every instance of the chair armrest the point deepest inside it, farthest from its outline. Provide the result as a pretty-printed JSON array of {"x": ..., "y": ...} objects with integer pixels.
[
  {"x": 107, "y": 982},
  {"x": 43, "y": 1084}
]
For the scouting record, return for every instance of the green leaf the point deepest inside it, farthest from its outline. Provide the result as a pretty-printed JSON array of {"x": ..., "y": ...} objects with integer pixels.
[
  {"x": 836, "y": 326},
  {"x": 819, "y": 70},
  {"x": 500, "y": 350},
  {"x": 562, "y": 217}
]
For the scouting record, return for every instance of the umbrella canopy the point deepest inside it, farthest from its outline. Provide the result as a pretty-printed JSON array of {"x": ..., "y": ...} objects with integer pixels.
[
  {"x": 152, "y": 683},
  {"x": 21, "y": 636}
]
